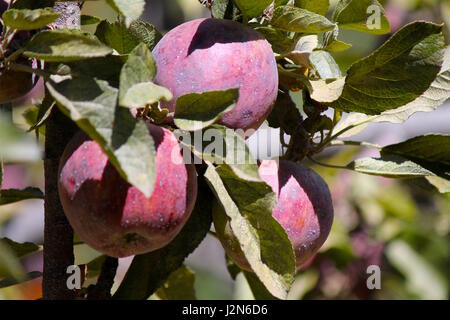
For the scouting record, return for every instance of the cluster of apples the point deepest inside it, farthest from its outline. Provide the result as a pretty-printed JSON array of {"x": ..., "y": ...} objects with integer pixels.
[{"x": 198, "y": 56}]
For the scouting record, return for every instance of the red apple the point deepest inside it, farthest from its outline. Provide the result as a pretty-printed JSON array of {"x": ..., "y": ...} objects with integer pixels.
[
  {"x": 114, "y": 217},
  {"x": 213, "y": 54}
]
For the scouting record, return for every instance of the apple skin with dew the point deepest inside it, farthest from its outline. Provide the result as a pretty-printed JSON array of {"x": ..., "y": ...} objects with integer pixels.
[
  {"x": 113, "y": 216},
  {"x": 213, "y": 54},
  {"x": 304, "y": 209}
]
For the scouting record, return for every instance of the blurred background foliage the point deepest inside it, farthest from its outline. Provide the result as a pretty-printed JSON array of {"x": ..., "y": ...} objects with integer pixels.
[{"x": 403, "y": 228}]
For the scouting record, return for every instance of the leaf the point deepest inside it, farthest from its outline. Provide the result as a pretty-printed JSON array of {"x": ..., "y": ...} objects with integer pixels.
[
  {"x": 330, "y": 42},
  {"x": 148, "y": 272},
  {"x": 441, "y": 184},
  {"x": 20, "y": 249},
  {"x": 293, "y": 19},
  {"x": 325, "y": 65},
  {"x": 248, "y": 205},
  {"x": 317, "y": 6},
  {"x": 279, "y": 40},
  {"x": 226, "y": 146},
  {"x": 8, "y": 282},
  {"x": 136, "y": 86},
  {"x": 388, "y": 78},
  {"x": 179, "y": 285},
  {"x": 285, "y": 114},
  {"x": 64, "y": 46},
  {"x": 26, "y": 19},
  {"x": 435, "y": 96},
  {"x": 16, "y": 146},
  {"x": 197, "y": 111},
  {"x": 327, "y": 90},
  {"x": 431, "y": 151},
  {"x": 88, "y": 20},
  {"x": 390, "y": 166},
  {"x": 259, "y": 291},
  {"x": 10, "y": 266},
  {"x": 130, "y": 9},
  {"x": 421, "y": 276},
  {"x": 361, "y": 15},
  {"x": 124, "y": 39},
  {"x": 225, "y": 9},
  {"x": 91, "y": 104},
  {"x": 252, "y": 8},
  {"x": 8, "y": 196}
]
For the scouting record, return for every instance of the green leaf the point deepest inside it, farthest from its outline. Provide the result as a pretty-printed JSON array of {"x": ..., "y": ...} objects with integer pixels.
[
  {"x": 20, "y": 249},
  {"x": 294, "y": 19},
  {"x": 252, "y": 8},
  {"x": 318, "y": 6},
  {"x": 285, "y": 114},
  {"x": 10, "y": 266},
  {"x": 197, "y": 111},
  {"x": 435, "y": 96},
  {"x": 259, "y": 291},
  {"x": 88, "y": 20},
  {"x": 361, "y": 15},
  {"x": 136, "y": 86},
  {"x": 279, "y": 40},
  {"x": 8, "y": 282},
  {"x": 431, "y": 151},
  {"x": 225, "y": 9},
  {"x": 149, "y": 272},
  {"x": 8, "y": 196},
  {"x": 330, "y": 42},
  {"x": 179, "y": 285},
  {"x": 420, "y": 275},
  {"x": 325, "y": 65},
  {"x": 248, "y": 205},
  {"x": 91, "y": 103},
  {"x": 16, "y": 146},
  {"x": 227, "y": 146},
  {"x": 31, "y": 4},
  {"x": 388, "y": 78},
  {"x": 130, "y": 9},
  {"x": 64, "y": 46},
  {"x": 124, "y": 39},
  {"x": 390, "y": 166},
  {"x": 26, "y": 19}
]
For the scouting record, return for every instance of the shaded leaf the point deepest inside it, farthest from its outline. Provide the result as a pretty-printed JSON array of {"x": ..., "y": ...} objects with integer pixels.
[
  {"x": 124, "y": 39},
  {"x": 20, "y": 249},
  {"x": 197, "y": 111},
  {"x": 179, "y": 285},
  {"x": 8, "y": 196}
]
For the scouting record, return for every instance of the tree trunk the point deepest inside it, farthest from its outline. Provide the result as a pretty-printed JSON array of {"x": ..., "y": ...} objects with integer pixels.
[{"x": 58, "y": 234}]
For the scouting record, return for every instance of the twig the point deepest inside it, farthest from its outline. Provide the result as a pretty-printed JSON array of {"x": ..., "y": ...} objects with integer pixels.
[{"x": 102, "y": 290}]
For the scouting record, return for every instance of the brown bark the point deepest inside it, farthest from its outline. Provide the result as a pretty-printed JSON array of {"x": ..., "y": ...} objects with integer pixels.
[{"x": 58, "y": 234}]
